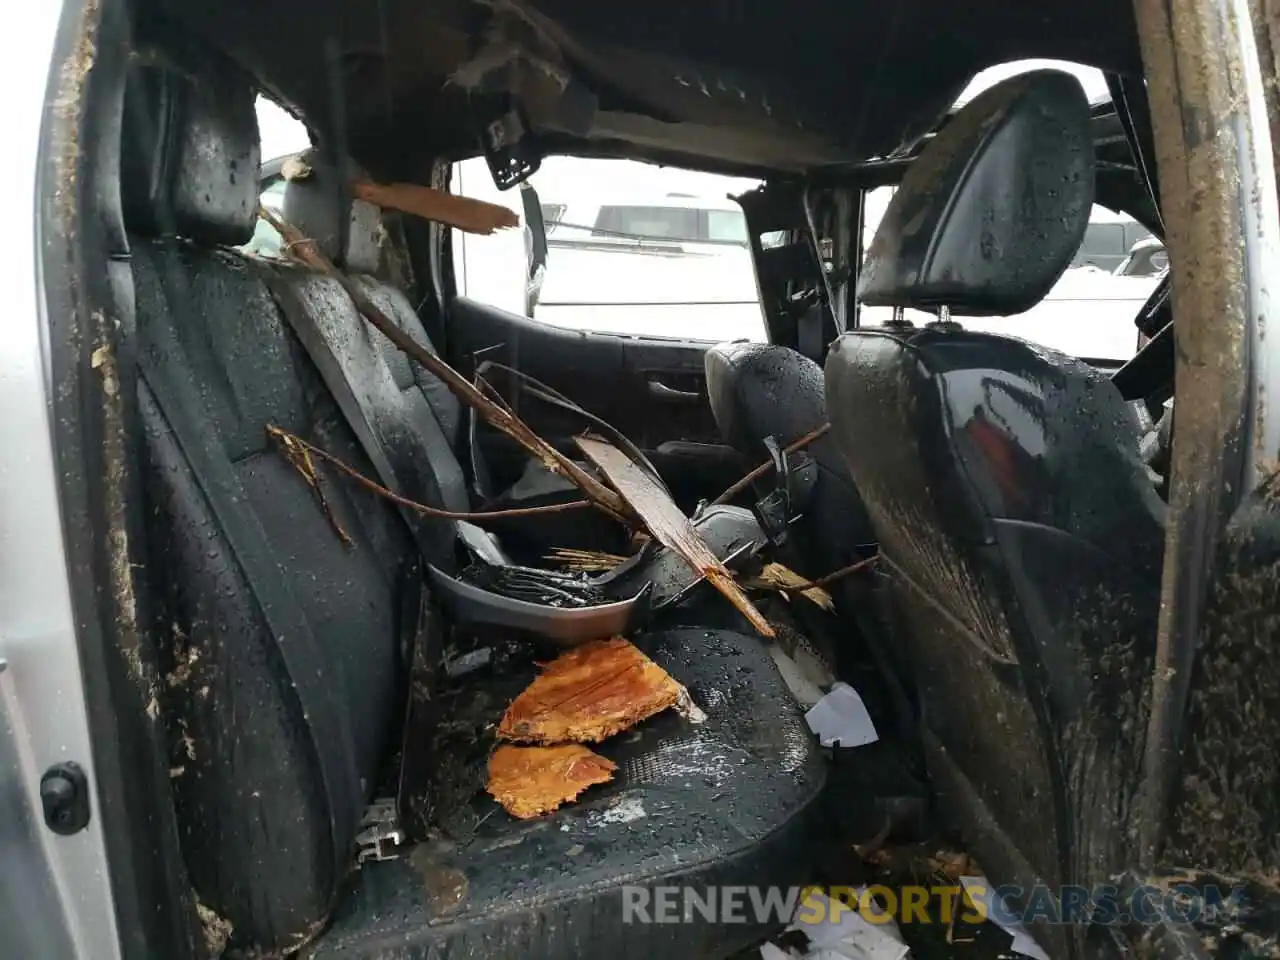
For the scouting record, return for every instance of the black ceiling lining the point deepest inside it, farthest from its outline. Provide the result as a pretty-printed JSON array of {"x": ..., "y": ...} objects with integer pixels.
[{"x": 861, "y": 76}]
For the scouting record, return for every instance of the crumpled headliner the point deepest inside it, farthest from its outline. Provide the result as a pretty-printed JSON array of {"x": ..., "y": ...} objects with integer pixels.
[{"x": 748, "y": 86}]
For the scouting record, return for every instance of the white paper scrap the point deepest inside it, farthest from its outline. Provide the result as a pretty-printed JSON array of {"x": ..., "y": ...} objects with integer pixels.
[
  {"x": 841, "y": 717},
  {"x": 850, "y": 936}
]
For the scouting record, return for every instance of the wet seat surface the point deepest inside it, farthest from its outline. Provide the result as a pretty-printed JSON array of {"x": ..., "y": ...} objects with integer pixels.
[{"x": 729, "y": 801}]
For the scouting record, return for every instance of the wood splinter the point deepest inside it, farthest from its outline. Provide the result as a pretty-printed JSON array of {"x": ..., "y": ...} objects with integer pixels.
[
  {"x": 668, "y": 524},
  {"x": 461, "y": 213}
]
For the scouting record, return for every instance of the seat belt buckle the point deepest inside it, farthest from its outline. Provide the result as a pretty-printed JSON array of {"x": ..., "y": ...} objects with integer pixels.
[
  {"x": 773, "y": 511},
  {"x": 794, "y": 477}
]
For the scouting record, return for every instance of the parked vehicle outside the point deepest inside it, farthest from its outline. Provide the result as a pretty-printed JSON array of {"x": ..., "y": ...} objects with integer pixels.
[
  {"x": 664, "y": 254},
  {"x": 1147, "y": 258},
  {"x": 632, "y": 249}
]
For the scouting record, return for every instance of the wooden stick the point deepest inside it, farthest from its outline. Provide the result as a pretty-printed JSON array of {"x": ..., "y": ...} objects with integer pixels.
[
  {"x": 464, "y": 213},
  {"x": 837, "y": 574},
  {"x": 765, "y": 467},
  {"x": 286, "y": 439},
  {"x": 587, "y": 561},
  {"x": 463, "y": 389},
  {"x": 668, "y": 524}
]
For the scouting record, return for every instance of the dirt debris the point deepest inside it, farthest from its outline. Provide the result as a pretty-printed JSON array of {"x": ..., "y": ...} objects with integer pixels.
[
  {"x": 1228, "y": 799},
  {"x": 217, "y": 929}
]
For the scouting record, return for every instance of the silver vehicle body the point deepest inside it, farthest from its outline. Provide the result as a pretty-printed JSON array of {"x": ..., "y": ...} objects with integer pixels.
[{"x": 55, "y": 892}]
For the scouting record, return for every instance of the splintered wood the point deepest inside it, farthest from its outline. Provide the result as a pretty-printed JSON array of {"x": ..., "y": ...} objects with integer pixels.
[
  {"x": 589, "y": 694},
  {"x": 461, "y": 213},
  {"x": 668, "y": 524},
  {"x": 583, "y": 696},
  {"x": 531, "y": 781}
]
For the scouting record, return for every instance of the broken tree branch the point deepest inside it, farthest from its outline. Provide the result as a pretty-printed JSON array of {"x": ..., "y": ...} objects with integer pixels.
[
  {"x": 668, "y": 524},
  {"x": 840, "y": 574},
  {"x": 292, "y": 445},
  {"x": 296, "y": 452},
  {"x": 765, "y": 467},
  {"x": 503, "y": 420}
]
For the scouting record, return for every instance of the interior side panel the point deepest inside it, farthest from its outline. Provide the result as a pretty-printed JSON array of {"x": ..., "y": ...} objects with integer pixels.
[{"x": 610, "y": 376}]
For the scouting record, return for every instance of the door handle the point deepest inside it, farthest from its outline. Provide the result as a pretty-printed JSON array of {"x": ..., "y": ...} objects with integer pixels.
[{"x": 660, "y": 391}]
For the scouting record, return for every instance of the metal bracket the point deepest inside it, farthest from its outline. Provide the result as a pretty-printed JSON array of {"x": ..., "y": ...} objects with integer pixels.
[
  {"x": 508, "y": 149},
  {"x": 380, "y": 834}
]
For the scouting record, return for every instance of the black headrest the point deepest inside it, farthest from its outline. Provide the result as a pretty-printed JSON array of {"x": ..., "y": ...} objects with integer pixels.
[
  {"x": 321, "y": 206},
  {"x": 190, "y": 154},
  {"x": 991, "y": 213}
]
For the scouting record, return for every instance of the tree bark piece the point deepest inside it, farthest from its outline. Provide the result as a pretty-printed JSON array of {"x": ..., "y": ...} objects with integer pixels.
[
  {"x": 532, "y": 781},
  {"x": 462, "y": 213},
  {"x": 498, "y": 417},
  {"x": 668, "y": 524},
  {"x": 590, "y": 693}
]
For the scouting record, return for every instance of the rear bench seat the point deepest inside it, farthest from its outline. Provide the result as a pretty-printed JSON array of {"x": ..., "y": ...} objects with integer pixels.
[{"x": 284, "y": 646}]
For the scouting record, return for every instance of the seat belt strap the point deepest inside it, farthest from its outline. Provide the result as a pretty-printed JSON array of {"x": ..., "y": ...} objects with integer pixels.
[{"x": 407, "y": 453}]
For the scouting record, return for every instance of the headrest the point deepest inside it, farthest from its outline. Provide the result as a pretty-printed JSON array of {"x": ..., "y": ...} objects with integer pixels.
[
  {"x": 190, "y": 154},
  {"x": 992, "y": 212},
  {"x": 320, "y": 205}
]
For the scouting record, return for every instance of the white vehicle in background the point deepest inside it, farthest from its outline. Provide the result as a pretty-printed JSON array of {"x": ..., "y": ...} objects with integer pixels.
[
  {"x": 662, "y": 265},
  {"x": 656, "y": 252},
  {"x": 1147, "y": 258}
]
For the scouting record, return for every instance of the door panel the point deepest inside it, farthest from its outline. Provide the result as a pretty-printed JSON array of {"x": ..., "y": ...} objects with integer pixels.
[{"x": 654, "y": 391}]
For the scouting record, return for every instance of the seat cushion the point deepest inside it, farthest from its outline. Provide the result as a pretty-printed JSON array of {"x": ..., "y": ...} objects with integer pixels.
[
  {"x": 760, "y": 390},
  {"x": 733, "y": 800}
]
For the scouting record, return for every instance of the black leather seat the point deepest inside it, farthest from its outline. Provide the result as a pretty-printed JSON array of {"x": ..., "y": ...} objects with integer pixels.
[
  {"x": 1019, "y": 531},
  {"x": 282, "y": 643},
  {"x": 760, "y": 390}
]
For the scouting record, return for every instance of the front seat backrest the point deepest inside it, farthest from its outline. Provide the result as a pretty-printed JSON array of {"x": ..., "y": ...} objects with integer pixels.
[{"x": 1017, "y": 527}]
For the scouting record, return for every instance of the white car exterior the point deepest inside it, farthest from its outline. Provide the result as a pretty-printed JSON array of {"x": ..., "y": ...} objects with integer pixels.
[{"x": 700, "y": 290}]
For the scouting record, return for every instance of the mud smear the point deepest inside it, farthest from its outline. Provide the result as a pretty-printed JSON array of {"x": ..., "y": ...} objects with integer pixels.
[{"x": 1226, "y": 816}]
